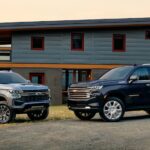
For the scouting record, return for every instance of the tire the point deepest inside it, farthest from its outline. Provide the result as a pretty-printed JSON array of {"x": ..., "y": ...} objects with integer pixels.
[
  {"x": 113, "y": 110},
  {"x": 39, "y": 114},
  {"x": 84, "y": 115},
  {"x": 148, "y": 112},
  {"x": 6, "y": 114}
]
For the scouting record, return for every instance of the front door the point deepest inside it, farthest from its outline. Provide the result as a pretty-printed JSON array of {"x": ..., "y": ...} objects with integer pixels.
[{"x": 139, "y": 91}]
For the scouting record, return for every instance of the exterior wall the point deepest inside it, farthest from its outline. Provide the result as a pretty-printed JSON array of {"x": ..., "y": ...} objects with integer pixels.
[
  {"x": 53, "y": 79},
  {"x": 97, "y": 73},
  {"x": 98, "y": 48}
]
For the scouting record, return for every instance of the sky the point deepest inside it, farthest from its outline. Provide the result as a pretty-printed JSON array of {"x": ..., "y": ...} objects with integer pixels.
[{"x": 45, "y": 10}]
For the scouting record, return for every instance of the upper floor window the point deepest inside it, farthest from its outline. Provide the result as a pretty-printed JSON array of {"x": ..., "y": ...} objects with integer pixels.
[
  {"x": 77, "y": 41},
  {"x": 147, "y": 35},
  {"x": 37, "y": 43},
  {"x": 119, "y": 42}
]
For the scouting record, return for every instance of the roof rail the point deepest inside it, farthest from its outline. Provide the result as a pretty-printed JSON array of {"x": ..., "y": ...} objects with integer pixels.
[
  {"x": 145, "y": 64},
  {"x": 7, "y": 70}
]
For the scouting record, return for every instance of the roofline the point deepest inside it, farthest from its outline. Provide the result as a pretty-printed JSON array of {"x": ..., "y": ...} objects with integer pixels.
[{"x": 75, "y": 24}]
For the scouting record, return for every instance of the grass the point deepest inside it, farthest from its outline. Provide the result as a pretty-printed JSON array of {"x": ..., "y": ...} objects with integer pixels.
[
  {"x": 55, "y": 113},
  {"x": 60, "y": 113}
]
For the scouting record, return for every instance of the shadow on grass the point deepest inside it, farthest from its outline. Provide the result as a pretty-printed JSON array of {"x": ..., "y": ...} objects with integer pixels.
[{"x": 26, "y": 120}]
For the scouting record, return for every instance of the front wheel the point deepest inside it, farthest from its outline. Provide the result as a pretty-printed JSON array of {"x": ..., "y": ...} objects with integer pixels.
[
  {"x": 39, "y": 114},
  {"x": 113, "y": 110},
  {"x": 84, "y": 115},
  {"x": 6, "y": 114}
]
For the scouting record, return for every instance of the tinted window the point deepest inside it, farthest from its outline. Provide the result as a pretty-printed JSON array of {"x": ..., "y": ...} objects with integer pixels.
[
  {"x": 8, "y": 78},
  {"x": 117, "y": 73},
  {"x": 148, "y": 68},
  {"x": 142, "y": 73}
]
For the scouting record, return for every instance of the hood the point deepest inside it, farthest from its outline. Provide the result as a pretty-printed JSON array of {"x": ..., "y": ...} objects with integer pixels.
[
  {"x": 98, "y": 83},
  {"x": 23, "y": 86}
]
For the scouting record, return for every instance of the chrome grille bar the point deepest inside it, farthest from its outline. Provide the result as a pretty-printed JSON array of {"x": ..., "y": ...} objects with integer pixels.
[{"x": 77, "y": 94}]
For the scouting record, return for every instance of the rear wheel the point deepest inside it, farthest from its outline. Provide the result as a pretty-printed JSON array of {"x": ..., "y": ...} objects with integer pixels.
[
  {"x": 6, "y": 114},
  {"x": 39, "y": 114},
  {"x": 113, "y": 110},
  {"x": 84, "y": 115}
]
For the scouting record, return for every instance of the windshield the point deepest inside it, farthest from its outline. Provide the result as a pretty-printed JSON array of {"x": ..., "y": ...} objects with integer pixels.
[
  {"x": 8, "y": 78},
  {"x": 117, "y": 73}
]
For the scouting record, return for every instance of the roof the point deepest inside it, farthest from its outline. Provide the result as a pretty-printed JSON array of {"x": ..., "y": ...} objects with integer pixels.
[{"x": 97, "y": 23}]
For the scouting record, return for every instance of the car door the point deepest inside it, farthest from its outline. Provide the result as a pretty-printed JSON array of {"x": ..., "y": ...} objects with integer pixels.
[
  {"x": 139, "y": 90},
  {"x": 148, "y": 87}
]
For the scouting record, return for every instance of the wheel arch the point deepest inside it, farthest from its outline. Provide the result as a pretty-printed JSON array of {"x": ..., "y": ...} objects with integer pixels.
[
  {"x": 118, "y": 95},
  {"x": 2, "y": 98}
]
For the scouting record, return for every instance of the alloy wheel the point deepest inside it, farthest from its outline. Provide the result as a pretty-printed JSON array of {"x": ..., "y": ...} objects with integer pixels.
[
  {"x": 112, "y": 110},
  {"x": 5, "y": 113}
]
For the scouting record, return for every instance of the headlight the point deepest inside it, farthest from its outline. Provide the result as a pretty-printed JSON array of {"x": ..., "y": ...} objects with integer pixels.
[
  {"x": 96, "y": 87},
  {"x": 15, "y": 94}
]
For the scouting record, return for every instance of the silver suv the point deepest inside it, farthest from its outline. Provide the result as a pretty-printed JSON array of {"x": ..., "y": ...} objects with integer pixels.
[{"x": 18, "y": 95}]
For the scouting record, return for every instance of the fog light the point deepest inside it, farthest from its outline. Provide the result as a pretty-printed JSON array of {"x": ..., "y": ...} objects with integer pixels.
[
  {"x": 94, "y": 104},
  {"x": 87, "y": 107}
]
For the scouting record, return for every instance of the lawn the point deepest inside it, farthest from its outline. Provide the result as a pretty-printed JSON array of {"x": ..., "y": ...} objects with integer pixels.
[
  {"x": 55, "y": 113},
  {"x": 60, "y": 113}
]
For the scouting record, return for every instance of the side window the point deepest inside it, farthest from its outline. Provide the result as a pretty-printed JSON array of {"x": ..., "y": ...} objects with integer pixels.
[
  {"x": 148, "y": 68},
  {"x": 142, "y": 73}
]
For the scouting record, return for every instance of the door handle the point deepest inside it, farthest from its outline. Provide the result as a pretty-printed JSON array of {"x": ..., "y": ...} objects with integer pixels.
[{"x": 148, "y": 84}]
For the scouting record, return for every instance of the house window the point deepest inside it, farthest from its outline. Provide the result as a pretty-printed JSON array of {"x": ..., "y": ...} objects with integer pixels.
[
  {"x": 37, "y": 78},
  {"x": 119, "y": 42},
  {"x": 77, "y": 41},
  {"x": 147, "y": 35},
  {"x": 37, "y": 43}
]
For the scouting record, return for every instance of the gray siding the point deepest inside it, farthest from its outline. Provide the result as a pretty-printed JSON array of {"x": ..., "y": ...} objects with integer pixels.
[{"x": 98, "y": 48}]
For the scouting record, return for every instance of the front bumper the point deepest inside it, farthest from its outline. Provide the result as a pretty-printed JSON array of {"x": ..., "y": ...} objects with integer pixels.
[
  {"x": 91, "y": 105},
  {"x": 30, "y": 106}
]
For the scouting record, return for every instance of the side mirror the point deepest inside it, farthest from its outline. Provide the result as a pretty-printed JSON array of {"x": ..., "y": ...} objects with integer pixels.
[
  {"x": 133, "y": 78},
  {"x": 28, "y": 81}
]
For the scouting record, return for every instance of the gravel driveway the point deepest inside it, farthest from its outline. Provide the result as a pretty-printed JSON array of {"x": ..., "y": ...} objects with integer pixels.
[{"x": 131, "y": 133}]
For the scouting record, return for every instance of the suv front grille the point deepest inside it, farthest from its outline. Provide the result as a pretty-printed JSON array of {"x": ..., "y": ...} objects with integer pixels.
[
  {"x": 29, "y": 91},
  {"x": 34, "y": 98},
  {"x": 78, "y": 94}
]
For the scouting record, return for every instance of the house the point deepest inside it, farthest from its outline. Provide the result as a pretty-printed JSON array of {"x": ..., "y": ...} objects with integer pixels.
[{"x": 58, "y": 53}]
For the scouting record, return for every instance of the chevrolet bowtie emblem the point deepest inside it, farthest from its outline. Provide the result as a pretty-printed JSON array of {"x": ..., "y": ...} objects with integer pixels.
[{"x": 38, "y": 93}]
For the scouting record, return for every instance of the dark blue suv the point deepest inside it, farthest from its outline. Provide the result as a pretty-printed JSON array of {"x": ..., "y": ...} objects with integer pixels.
[{"x": 119, "y": 90}]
